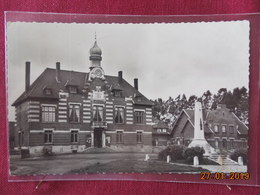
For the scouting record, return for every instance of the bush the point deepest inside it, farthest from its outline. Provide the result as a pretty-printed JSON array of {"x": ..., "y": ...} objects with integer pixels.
[
  {"x": 189, "y": 153},
  {"x": 175, "y": 152},
  {"x": 239, "y": 152}
]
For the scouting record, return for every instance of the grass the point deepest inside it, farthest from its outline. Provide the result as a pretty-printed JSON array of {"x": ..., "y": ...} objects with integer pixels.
[{"x": 136, "y": 166}]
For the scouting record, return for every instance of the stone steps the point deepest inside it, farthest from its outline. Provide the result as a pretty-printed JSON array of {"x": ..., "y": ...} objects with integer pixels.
[{"x": 222, "y": 159}]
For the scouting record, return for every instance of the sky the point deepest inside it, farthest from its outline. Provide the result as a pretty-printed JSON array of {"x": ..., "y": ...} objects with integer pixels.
[{"x": 168, "y": 59}]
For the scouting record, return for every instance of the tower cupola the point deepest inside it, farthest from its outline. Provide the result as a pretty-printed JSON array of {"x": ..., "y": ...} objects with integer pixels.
[{"x": 95, "y": 55}]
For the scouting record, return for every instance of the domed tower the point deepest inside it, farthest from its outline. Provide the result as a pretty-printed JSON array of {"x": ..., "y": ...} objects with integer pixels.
[{"x": 95, "y": 56}]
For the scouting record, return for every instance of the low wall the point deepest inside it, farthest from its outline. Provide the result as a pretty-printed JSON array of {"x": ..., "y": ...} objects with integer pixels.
[{"x": 38, "y": 150}]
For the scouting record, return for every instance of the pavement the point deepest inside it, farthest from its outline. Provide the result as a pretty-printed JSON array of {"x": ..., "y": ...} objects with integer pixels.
[{"x": 225, "y": 168}]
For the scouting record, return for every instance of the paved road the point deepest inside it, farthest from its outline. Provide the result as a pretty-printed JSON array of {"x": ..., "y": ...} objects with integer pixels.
[{"x": 64, "y": 163}]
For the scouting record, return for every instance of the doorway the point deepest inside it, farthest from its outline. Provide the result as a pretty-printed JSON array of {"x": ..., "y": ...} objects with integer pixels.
[{"x": 98, "y": 138}]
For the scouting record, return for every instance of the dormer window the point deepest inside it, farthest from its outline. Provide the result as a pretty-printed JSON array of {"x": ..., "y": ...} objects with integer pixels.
[
  {"x": 47, "y": 91},
  {"x": 117, "y": 90},
  {"x": 73, "y": 89},
  {"x": 138, "y": 97},
  {"x": 117, "y": 93}
]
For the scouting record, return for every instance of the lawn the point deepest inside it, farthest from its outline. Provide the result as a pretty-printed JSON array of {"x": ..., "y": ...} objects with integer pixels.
[{"x": 136, "y": 166}]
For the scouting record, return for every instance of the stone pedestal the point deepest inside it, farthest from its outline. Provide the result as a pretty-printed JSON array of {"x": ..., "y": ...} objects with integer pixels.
[
  {"x": 195, "y": 161},
  {"x": 240, "y": 161}
]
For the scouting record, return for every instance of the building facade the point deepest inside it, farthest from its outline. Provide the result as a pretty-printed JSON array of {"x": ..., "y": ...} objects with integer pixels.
[
  {"x": 161, "y": 134},
  {"x": 222, "y": 129},
  {"x": 66, "y": 111}
]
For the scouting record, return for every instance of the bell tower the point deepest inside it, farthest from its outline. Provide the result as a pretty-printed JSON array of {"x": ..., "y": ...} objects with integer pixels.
[
  {"x": 95, "y": 55},
  {"x": 95, "y": 58}
]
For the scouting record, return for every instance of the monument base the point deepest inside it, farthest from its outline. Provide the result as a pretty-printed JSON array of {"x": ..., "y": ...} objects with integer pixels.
[{"x": 204, "y": 144}]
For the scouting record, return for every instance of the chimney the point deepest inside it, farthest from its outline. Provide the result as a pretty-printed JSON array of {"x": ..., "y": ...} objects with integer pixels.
[
  {"x": 27, "y": 76},
  {"x": 58, "y": 79},
  {"x": 120, "y": 77},
  {"x": 136, "y": 84}
]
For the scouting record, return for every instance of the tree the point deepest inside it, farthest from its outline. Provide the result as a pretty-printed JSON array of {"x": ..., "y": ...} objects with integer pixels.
[{"x": 236, "y": 100}]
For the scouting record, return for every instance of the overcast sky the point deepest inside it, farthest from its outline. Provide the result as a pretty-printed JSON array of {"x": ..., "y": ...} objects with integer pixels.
[{"x": 168, "y": 59}]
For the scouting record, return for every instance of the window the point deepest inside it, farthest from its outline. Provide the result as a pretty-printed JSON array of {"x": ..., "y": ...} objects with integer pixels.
[
  {"x": 117, "y": 93},
  {"x": 74, "y": 113},
  {"x": 73, "y": 89},
  {"x": 74, "y": 136},
  {"x": 98, "y": 113},
  {"x": 139, "y": 137},
  {"x": 119, "y": 115},
  {"x": 216, "y": 128},
  {"x": 119, "y": 136},
  {"x": 20, "y": 139},
  {"x": 244, "y": 143},
  {"x": 48, "y": 136},
  {"x": 139, "y": 117},
  {"x": 48, "y": 113},
  {"x": 231, "y": 129},
  {"x": 224, "y": 129},
  {"x": 63, "y": 95},
  {"x": 47, "y": 91},
  {"x": 139, "y": 99},
  {"x": 164, "y": 130},
  {"x": 216, "y": 143},
  {"x": 231, "y": 143},
  {"x": 158, "y": 130}
]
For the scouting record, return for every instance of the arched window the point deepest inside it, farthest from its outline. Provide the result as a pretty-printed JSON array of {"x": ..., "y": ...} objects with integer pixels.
[
  {"x": 216, "y": 128},
  {"x": 224, "y": 131}
]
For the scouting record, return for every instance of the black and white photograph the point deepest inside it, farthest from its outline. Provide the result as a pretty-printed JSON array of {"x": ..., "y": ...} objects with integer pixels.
[{"x": 97, "y": 98}]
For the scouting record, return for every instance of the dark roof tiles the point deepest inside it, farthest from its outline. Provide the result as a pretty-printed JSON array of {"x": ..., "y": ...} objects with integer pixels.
[{"x": 48, "y": 78}]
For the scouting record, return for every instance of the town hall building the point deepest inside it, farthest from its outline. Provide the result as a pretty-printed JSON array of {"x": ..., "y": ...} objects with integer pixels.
[{"x": 69, "y": 111}]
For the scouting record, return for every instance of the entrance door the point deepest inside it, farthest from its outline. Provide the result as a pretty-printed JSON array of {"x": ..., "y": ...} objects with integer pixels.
[{"x": 98, "y": 138}]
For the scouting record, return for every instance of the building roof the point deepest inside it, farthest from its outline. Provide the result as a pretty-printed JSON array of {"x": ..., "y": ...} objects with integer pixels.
[
  {"x": 48, "y": 78},
  {"x": 190, "y": 114},
  {"x": 95, "y": 50},
  {"x": 160, "y": 125},
  {"x": 221, "y": 115}
]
